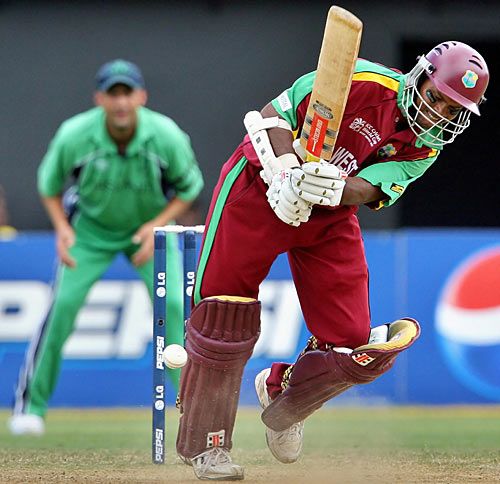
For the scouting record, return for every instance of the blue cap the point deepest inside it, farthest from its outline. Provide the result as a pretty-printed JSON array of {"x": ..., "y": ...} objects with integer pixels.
[{"x": 119, "y": 71}]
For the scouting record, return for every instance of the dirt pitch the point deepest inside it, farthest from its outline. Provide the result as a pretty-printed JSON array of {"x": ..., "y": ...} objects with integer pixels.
[{"x": 342, "y": 445}]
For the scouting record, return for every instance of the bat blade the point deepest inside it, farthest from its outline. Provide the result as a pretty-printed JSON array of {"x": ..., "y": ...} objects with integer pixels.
[{"x": 339, "y": 51}]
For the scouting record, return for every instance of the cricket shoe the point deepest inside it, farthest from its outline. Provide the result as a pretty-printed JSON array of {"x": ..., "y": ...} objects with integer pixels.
[
  {"x": 215, "y": 464},
  {"x": 26, "y": 424},
  {"x": 286, "y": 445}
]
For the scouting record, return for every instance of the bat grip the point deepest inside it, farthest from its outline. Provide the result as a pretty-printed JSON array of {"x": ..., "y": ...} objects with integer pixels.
[{"x": 302, "y": 153}]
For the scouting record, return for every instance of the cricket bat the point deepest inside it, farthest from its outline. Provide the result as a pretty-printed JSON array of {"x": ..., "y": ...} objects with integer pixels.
[{"x": 339, "y": 51}]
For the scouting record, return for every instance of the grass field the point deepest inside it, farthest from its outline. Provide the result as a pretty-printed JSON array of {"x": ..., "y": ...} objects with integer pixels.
[{"x": 342, "y": 445}]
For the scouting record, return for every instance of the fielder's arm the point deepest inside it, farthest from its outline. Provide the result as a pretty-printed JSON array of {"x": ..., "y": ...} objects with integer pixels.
[{"x": 65, "y": 236}]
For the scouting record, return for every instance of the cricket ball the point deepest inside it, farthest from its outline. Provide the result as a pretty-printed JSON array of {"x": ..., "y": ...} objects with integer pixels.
[{"x": 175, "y": 356}]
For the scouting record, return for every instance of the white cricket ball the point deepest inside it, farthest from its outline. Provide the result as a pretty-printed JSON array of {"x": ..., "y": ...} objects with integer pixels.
[{"x": 175, "y": 356}]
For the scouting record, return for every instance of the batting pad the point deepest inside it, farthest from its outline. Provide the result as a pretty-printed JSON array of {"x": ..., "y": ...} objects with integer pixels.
[
  {"x": 319, "y": 375},
  {"x": 220, "y": 336}
]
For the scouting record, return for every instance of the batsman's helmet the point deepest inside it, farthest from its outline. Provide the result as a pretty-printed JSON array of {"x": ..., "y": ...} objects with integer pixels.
[{"x": 459, "y": 72}]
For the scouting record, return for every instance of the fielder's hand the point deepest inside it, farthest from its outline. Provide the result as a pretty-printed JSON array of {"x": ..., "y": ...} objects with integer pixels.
[
  {"x": 145, "y": 237},
  {"x": 287, "y": 205},
  {"x": 65, "y": 238}
]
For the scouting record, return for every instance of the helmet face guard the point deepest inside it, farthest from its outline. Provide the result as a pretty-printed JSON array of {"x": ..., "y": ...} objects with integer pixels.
[{"x": 457, "y": 71}]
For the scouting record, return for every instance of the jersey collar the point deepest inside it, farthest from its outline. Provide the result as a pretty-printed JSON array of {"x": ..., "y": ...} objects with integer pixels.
[{"x": 141, "y": 135}]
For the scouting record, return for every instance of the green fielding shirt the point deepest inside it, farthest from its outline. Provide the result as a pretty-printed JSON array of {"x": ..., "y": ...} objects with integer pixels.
[{"x": 120, "y": 193}]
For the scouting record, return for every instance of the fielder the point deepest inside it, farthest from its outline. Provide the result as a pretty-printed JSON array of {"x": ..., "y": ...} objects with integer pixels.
[
  {"x": 133, "y": 169},
  {"x": 394, "y": 127}
]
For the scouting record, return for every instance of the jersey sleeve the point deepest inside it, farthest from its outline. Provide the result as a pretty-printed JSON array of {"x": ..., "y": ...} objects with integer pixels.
[
  {"x": 288, "y": 102},
  {"x": 393, "y": 177},
  {"x": 182, "y": 172},
  {"x": 55, "y": 166}
]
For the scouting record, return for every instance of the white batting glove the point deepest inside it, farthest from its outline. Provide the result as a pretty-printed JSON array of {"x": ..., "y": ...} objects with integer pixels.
[
  {"x": 287, "y": 205},
  {"x": 319, "y": 183},
  {"x": 277, "y": 165}
]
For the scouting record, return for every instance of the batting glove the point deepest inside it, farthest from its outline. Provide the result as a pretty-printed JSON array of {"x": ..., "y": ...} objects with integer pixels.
[
  {"x": 319, "y": 183},
  {"x": 286, "y": 204}
]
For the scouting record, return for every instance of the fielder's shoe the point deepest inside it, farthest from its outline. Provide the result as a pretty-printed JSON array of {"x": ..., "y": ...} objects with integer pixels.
[
  {"x": 216, "y": 465},
  {"x": 26, "y": 424},
  {"x": 286, "y": 445}
]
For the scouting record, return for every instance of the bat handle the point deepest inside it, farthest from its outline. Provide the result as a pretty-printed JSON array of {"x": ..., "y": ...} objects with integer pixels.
[
  {"x": 302, "y": 153},
  {"x": 310, "y": 157}
]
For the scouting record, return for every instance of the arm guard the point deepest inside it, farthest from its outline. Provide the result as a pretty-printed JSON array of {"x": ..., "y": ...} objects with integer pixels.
[{"x": 257, "y": 127}]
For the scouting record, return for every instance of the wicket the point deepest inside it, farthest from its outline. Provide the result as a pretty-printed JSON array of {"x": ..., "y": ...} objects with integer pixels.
[{"x": 160, "y": 319}]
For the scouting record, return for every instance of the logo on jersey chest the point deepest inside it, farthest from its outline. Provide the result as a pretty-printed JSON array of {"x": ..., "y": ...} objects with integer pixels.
[
  {"x": 387, "y": 151},
  {"x": 101, "y": 164},
  {"x": 359, "y": 125}
]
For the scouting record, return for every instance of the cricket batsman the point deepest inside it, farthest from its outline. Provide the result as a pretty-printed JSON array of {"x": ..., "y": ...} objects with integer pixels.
[{"x": 393, "y": 130}]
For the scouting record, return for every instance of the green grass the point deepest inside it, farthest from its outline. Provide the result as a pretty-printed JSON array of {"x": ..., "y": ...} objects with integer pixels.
[{"x": 390, "y": 444}]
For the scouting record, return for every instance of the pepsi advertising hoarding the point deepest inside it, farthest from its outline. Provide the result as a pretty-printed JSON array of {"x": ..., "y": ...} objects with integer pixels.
[{"x": 449, "y": 280}]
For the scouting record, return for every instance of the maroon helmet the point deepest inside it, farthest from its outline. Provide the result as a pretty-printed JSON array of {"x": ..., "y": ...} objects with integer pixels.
[{"x": 459, "y": 72}]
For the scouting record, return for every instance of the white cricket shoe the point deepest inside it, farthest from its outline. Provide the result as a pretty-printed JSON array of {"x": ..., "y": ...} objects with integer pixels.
[
  {"x": 286, "y": 445},
  {"x": 216, "y": 465},
  {"x": 26, "y": 424}
]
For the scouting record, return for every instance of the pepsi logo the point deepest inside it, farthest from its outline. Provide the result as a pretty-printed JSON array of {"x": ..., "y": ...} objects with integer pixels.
[{"x": 468, "y": 322}]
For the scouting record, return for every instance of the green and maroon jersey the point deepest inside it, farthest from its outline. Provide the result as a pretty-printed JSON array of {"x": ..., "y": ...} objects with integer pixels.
[{"x": 374, "y": 141}]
